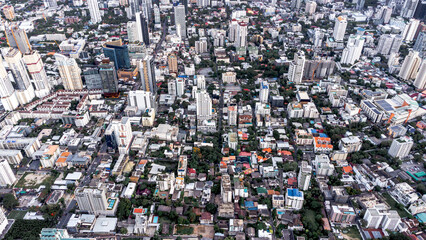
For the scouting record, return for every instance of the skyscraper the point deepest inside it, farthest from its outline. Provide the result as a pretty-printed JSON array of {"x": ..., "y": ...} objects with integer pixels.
[
  {"x": 143, "y": 100},
  {"x": 295, "y": 4},
  {"x": 409, "y": 8},
  {"x": 180, "y": 20},
  {"x": 70, "y": 72},
  {"x": 340, "y": 28},
  {"x": 50, "y": 3},
  {"x": 420, "y": 82},
  {"x": 7, "y": 177},
  {"x": 142, "y": 28},
  {"x": 95, "y": 14},
  {"x": 132, "y": 32},
  {"x": 147, "y": 73},
  {"x": 389, "y": 43},
  {"x": 119, "y": 135},
  {"x": 310, "y": 8},
  {"x": 9, "y": 12},
  {"x": 410, "y": 66},
  {"x": 157, "y": 18},
  {"x": 92, "y": 201},
  {"x": 172, "y": 62},
  {"x": 3, "y": 220},
  {"x": 118, "y": 53},
  {"x": 36, "y": 69},
  {"x": 201, "y": 45},
  {"x": 297, "y": 66},
  {"x": 108, "y": 77},
  {"x": 241, "y": 35},
  {"x": 264, "y": 92},
  {"x": 420, "y": 45},
  {"x": 353, "y": 49},
  {"x": 410, "y": 30},
  {"x": 204, "y": 105},
  {"x": 7, "y": 92},
  {"x": 233, "y": 30},
  {"x": 17, "y": 38},
  {"x": 304, "y": 177},
  {"x": 132, "y": 9},
  {"x": 180, "y": 86}
]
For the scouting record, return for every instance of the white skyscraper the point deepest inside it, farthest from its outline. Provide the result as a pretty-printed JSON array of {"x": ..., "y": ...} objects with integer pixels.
[
  {"x": 50, "y": 3},
  {"x": 389, "y": 43},
  {"x": 201, "y": 45},
  {"x": 420, "y": 82},
  {"x": 180, "y": 87},
  {"x": 141, "y": 99},
  {"x": 7, "y": 92},
  {"x": 264, "y": 92},
  {"x": 70, "y": 72},
  {"x": 410, "y": 30},
  {"x": 38, "y": 73},
  {"x": 180, "y": 20},
  {"x": 241, "y": 35},
  {"x": 91, "y": 200},
  {"x": 157, "y": 18},
  {"x": 142, "y": 28},
  {"x": 3, "y": 220},
  {"x": 410, "y": 66},
  {"x": 132, "y": 33},
  {"x": 409, "y": 8},
  {"x": 95, "y": 14},
  {"x": 353, "y": 49},
  {"x": 340, "y": 28},
  {"x": 201, "y": 81},
  {"x": 233, "y": 25},
  {"x": 400, "y": 147},
  {"x": 120, "y": 132},
  {"x": 304, "y": 177},
  {"x": 297, "y": 66},
  {"x": 7, "y": 178},
  {"x": 204, "y": 105},
  {"x": 310, "y": 8}
]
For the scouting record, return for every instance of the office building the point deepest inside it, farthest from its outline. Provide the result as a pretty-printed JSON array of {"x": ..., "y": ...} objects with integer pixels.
[
  {"x": 143, "y": 100},
  {"x": 388, "y": 44},
  {"x": 108, "y": 77},
  {"x": 90, "y": 200},
  {"x": 172, "y": 62},
  {"x": 310, "y": 8},
  {"x": 142, "y": 28},
  {"x": 409, "y": 8},
  {"x": 410, "y": 66},
  {"x": 92, "y": 78},
  {"x": 340, "y": 28},
  {"x": 297, "y": 66},
  {"x": 118, "y": 53},
  {"x": 95, "y": 14},
  {"x": 420, "y": 82},
  {"x": 37, "y": 71},
  {"x": 353, "y": 49},
  {"x": 294, "y": 199},
  {"x": 9, "y": 12},
  {"x": 70, "y": 72},
  {"x": 50, "y": 3},
  {"x": 119, "y": 135},
  {"x": 17, "y": 38},
  {"x": 204, "y": 105},
  {"x": 7, "y": 177},
  {"x": 241, "y": 35},
  {"x": 264, "y": 92},
  {"x": 203, "y": 3},
  {"x": 180, "y": 20},
  {"x": 8, "y": 96},
  {"x": 304, "y": 177},
  {"x": 420, "y": 45},
  {"x": 132, "y": 8},
  {"x": 401, "y": 147},
  {"x": 147, "y": 74},
  {"x": 201, "y": 81}
]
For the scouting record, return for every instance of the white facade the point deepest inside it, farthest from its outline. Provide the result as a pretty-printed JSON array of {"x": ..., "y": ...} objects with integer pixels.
[
  {"x": 297, "y": 66},
  {"x": 353, "y": 49},
  {"x": 204, "y": 105},
  {"x": 35, "y": 66},
  {"x": 264, "y": 92},
  {"x": 180, "y": 87},
  {"x": 121, "y": 130},
  {"x": 95, "y": 14},
  {"x": 404, "y": 193},
  {"x": 340, "y": 28},
  {"x": 91, "y": 200},
  {"x": 132, "y": 33},
  {"x": 7, "y": 177},
  {"x": 180, "y": 20},
  {"x": 400, "y": 148},
  {"x": 420, "y": 82},
  {"x": 70, "y": 72},
  {"x": 3, "y": 220},
  {"x": 410, "y": 66},
  {"x": 304, "y": 177},
  {"x": 294, "y": 199}
]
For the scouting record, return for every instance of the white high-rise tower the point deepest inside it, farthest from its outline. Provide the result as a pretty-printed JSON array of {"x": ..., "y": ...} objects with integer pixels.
[
  {"x": 297, "y": 66},
  {"x": 7, "y": 92},
  {"x": 340, "y": 28},
  {"x": 353, "y": 49},
  {"x": 70, "y": 72},
  {"x": 420, "y": 82},
  {"x": 38, "y": 73},
  {"x": 95, "y": 14},
  {"x": 204, "y": 105},
  {"x": 180, "y": 20},
  {"x": 6, "y": 174},
  {"x": 410, "y": 66}
]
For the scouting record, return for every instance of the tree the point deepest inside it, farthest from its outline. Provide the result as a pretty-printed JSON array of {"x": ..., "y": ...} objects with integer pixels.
[
  {"x": 123, "y": 230},
  {"x": 9, "y": 201},
  {"x": 211, "y": 208},
  {"x": 124, "y": 209}
]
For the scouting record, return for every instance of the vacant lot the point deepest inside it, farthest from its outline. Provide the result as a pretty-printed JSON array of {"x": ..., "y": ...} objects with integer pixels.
[
  {"x": 351, "y": 233},
  {"x": 34, "y": 180},
  {"x": 206, "y": 231},
  {"x": 15, "y": 214}
]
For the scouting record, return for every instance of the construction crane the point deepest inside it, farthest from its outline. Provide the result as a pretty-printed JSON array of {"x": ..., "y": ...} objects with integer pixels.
[{"x": 313, "y": 73}]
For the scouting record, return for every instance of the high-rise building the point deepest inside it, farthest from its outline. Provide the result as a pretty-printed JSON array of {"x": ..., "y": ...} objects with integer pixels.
[
  {"x": 294, "y": 199},
  {"x": 420, "y": 45},
  {"x": 147, "y": 73},
  {"x": 410, "y": 30},
  {"x": 389, "y": 43},
  {"x": 382, "y": 218},
  {"x": 264, "y": 92},
  {"x": 95, "y": 14},
  {"x": 233, "y": 25},
  {"x": 118, "y": 53},
  {"x": 70, "y": 72},
  {"x": 180, "y": 87},
  {"x": 386, "y": 14},
  {"x": 172, "y": 62},
  {"x": 142, "y": 28},
  {"x": 143, "y": 100},
  {"x": 353, "y": 49},
  {"x": 9, "y": 12},
  {"x": 201, "y": 81},
  {"x": 180, "y": 20},
  {"x": 204, "y": 105},
  {"x": 157, "y": 17},
  {"x": 401, "y": 147},
  {"x": 108, "y": 77},
  {"x": 132, "y": 34},
  {"x": 296, "y": 4},
  {"x": 340, "y": 28},
  {"x": 17, "y": 38},
  {"x": 297, "y": 66},
  {"x": 3, "y": 220},
  {"x": 171, "y": 87},
  {"x": 201, "y": 45},
  {"x": 310, "y": 8},
  {"x": 203, "y": 3},
  {"x": 304, "y": 177},
  {"x": 360, "y": 4},
  {"x": 232, "y": 115},
  {"x": 17, "y": 65},
  {"x": 92, "y": 78},
  {"x": 37, "y": 71},
  {"x": 8, "y": 96},
  {"x": 410, "y": 66},
  {"x": 241, "y": 35},
  {"x": 119, "y": 135},
  {"x": 50, "y": 3},
  {"x": 7, "y": 177},
  {"x": 421, "y": 11},
  {"x": 90, "y": 200},
  {"x": 77, "y": 3},
  {"x": 133, "y": 8},
  {"x": 420, "y": 82},
  {"x": 409, "y": 8}
]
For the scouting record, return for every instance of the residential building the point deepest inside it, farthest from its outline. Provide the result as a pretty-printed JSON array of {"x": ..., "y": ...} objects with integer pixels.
[
  {"x": 9, "y": 12},
  {"x": 142, "y": 28},
  {"x": 204, "y": 105},
  {"x": 7, "y": 178},
  {"x": 38, "y": 74},
  {"x": 17, "y": 38},
  {"x": 323, "y": 166},
  {"x": 229, "y": 77},
  {"x": 91, "y": 200},
  {"x": 401, "y": 147},
  {"x": 310, "y": 7},
  {"x": 226, "y": 189},
  {"x": 304, "y": 177},
  {"x": 180, "y": 20},
  {"x": 147, "y": 72},
  {"x": 3, "y": 220},
  {"x": 350, "y": 144},
  {"x": 353, "y": 49},
  {"x": 342, "y": 214},
  {"x": 404, "y": 193},
  {"x": 241, "y": 35},
  {"x": 297, "y": 66},
  {"x": 264, "y": 92},
  {"x": 420, "y": 82},
  {"x": 95, "y": 14},
  {"x": 410, "y": 66},
  {"x": 382, "y": 218},
  {"x": 119, "y": 135},
  {"x": 389, "y": 43},
  {"x": 340, "y": 28},
  {"x": 294, "y": 199},
  {"x": 172, "y": 62},
  {"x": 141, "y": 99},
  {"x": 70, "y": 72},
  {"x": 8, "y": 96}
]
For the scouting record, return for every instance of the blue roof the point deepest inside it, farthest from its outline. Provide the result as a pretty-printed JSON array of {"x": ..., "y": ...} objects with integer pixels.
[
  {"x": 249, "y": 204},
  {"x": 421, "y": 217},
  {"x": 323, "y": 135},
  {"x": 294, "y": 192},
  {"x": 313, "y": 131}
]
